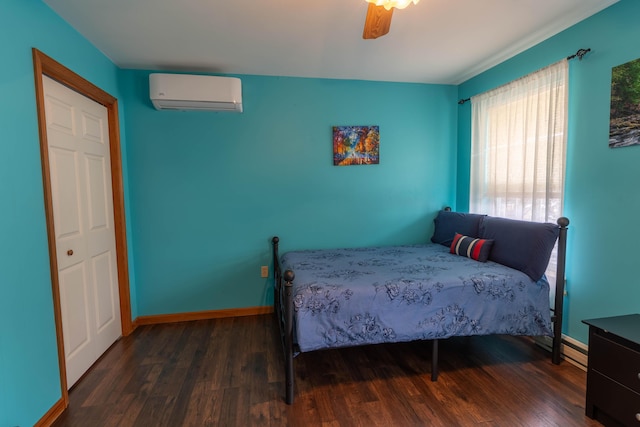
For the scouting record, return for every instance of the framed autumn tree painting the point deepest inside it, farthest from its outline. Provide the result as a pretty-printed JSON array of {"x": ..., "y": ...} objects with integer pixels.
[{"x": 356, "y": 145}]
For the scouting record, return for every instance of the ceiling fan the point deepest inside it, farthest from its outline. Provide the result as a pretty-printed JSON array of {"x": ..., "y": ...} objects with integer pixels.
[{"x": 378, "y": 20}]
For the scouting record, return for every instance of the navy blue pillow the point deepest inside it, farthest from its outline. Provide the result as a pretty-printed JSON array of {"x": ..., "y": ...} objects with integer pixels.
[
  {"x": 448, "y": 223},
  {"x": 523, "y": 245}
]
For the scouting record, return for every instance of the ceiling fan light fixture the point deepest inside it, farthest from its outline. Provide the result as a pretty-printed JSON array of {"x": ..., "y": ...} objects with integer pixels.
[{"x": 388, "y": 4}]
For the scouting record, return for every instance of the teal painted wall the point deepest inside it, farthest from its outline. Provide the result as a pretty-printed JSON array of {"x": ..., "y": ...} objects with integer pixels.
[
  {"x": 601, "y": 196},
  {"x": 206, "y": 191},
  {"x": 209, "y": 190},
  {"x": 29, "y": 378}
]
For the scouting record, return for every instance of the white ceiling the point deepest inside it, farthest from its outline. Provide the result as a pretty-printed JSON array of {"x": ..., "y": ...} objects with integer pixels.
[{"x": 435, "y": 41}]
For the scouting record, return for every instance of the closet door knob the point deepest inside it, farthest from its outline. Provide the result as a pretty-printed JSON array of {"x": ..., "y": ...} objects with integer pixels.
[{"x": 70, "y": 252}]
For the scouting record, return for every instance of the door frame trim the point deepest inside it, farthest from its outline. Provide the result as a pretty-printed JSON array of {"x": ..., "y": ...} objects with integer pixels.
[{"x": 44, "y": 65}]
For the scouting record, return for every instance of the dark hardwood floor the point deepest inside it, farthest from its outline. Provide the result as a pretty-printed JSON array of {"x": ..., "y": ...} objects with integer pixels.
[{"x": 228, "y": 372}]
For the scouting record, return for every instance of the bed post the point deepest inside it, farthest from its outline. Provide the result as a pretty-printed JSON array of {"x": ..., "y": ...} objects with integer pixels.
[
  {"x": 283, "y": 308},
  {"x": 288, "y": 334},
  {"x": 563, "y": 223},
  {"x": 434, "y": 360},
  {"x": 276, "y": 275}
]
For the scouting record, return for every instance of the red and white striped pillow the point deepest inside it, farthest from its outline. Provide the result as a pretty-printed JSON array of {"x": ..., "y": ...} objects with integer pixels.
[{"x": 471, "y": 247}]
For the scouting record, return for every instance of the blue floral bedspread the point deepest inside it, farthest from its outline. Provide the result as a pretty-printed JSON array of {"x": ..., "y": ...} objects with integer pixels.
[{"x": 348, "y": 297}]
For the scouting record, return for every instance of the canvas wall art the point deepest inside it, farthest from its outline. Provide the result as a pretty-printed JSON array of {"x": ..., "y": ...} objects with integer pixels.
[
  {"x": 624, "y": 123},
  {"x": 356, "y": 145}
]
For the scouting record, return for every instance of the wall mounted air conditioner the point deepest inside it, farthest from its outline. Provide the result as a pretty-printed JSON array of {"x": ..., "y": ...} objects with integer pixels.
[{"x": 195, "y": 92}]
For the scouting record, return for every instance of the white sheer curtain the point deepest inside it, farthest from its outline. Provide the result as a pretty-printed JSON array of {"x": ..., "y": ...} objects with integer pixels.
[
  {"x": 518, "y": 142},
  {"x": 518, "y": 145}
]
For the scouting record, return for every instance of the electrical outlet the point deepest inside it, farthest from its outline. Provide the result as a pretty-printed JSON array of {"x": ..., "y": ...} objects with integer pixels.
[{"x": 264, "y": 271}]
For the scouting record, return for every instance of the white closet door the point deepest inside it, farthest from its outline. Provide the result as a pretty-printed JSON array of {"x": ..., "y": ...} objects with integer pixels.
[{"x": 78, "y": 146}]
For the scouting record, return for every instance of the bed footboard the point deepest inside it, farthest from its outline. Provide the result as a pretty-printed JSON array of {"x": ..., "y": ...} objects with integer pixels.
[
  {"x": 288, "y": 334},
  {"x": 283, "y": 309}
]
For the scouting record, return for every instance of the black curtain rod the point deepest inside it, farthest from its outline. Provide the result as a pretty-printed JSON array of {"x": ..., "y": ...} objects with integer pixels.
[{"x": 579, "y": 54}]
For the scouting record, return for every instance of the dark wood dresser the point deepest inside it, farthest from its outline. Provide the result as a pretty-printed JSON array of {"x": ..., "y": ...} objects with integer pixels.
[{"x": 613, "y": 374}]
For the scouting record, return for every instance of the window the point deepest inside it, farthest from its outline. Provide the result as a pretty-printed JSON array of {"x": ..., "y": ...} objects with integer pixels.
[{"x": 518, "y": 145}]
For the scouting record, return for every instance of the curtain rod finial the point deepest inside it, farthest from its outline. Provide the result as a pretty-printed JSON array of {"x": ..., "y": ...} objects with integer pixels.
[{"x": 580, "y": 54}]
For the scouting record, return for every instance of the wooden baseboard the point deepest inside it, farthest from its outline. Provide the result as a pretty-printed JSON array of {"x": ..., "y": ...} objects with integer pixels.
[
  {"x": 52, "y": 414},
  {"x": 202, "y": 315}
]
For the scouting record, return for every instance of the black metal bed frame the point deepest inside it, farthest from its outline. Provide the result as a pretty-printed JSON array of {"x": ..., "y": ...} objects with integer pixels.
[{"x": 283, "y": 308}]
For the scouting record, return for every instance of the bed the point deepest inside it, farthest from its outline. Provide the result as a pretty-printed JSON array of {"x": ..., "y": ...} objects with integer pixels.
[{"x": 479, "y": 275}]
